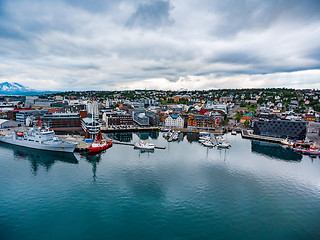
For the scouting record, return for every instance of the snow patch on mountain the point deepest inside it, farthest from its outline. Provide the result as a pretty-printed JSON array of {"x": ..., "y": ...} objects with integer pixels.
[{"x": 14, "y": 87}]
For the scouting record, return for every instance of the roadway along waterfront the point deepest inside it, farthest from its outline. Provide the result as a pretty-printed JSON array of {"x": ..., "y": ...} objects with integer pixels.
[{"x": 254, "y": 190}]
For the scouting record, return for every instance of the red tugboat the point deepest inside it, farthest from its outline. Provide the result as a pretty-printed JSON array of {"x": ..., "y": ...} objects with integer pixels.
[
  {"x": 306, "y": 149},
  {"x": 99, "y": 146}
]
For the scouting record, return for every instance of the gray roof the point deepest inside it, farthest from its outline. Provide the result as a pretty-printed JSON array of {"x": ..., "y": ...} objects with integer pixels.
[{"x": 3, "y": 120}]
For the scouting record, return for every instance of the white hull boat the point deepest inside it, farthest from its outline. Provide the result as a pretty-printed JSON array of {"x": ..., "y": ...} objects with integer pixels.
[
  {"x": 144, "y": 145},
  {"x": 208, "y": 143},
  {"x": 39, "y": 139}
]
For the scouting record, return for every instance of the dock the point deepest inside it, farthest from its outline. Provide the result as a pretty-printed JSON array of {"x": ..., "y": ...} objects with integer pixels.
[{"x": 247, "y": 135}]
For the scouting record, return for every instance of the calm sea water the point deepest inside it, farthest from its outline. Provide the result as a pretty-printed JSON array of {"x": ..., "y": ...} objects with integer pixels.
[{"x": 251, "y": 191}]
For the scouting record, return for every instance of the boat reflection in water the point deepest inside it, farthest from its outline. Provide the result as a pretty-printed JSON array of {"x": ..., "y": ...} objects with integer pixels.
[
  {"x": 275, "y": 151},
  {"x": 144, "y": 150},
  {"x": 39, "y": 158},
  {"x": 94, "y": 160}
]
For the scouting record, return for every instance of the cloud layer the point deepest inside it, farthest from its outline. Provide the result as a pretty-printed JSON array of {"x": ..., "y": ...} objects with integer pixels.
[{"x": 79, "y": 45}]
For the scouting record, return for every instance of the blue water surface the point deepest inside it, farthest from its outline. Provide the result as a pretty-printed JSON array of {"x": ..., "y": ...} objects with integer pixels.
[{"x": 253, "y": 190}]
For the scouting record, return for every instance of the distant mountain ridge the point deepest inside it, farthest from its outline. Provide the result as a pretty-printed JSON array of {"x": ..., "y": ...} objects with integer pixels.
[
  {"x": 14, "y": 87},
  {"x": 7, "y": 88}
]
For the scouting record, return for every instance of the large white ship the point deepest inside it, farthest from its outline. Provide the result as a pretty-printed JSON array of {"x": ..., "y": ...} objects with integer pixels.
[{"x": 42, "y": 139}]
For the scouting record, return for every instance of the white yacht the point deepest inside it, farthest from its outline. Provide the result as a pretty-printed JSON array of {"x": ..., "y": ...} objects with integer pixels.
[
  {"x": 144, "y": 145},
  {"x": 223, "y": 144},
  {"x": 42, "y": 139},
  {"x": 208, "y": 143}
]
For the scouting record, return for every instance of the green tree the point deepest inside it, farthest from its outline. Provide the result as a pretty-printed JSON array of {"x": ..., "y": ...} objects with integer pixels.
[
  {"x": 237, "y": 116},
  {"x": 246, "y": 123}
]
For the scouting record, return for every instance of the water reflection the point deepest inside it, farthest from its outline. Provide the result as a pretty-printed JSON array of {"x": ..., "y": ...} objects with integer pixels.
[
  {"x": 154, "y": 135},
  {"x": 274, "y": 150},
  {"x": 192, "y": 137},
  {"x": 144, "y": 150},
  {"x": 122, "y": 137},
  {"x": 94, "y": 160},
  {"x": 39, "y": 158}
]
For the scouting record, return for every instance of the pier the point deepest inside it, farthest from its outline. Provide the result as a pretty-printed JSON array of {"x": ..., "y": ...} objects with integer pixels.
[{"x": 247, "y": 135}]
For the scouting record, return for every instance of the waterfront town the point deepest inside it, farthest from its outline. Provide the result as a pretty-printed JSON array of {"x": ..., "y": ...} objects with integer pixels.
[{"x": 279, "y": 113}]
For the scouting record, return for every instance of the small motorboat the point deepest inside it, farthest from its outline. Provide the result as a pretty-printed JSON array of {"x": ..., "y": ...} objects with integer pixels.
[
  {"x": 20, "y": 134},
  {"x": 99, "y": 146},
  {"x": 175, "y": 136},
  {"x": 223, "y": 144},
  {"x": 144, "y": 145},
  {"x": 208, "y": 143},
  {"x": 287, "y": 142},
  {"x": 203, "y": 139},
  {"x": 233, "y": 132}
]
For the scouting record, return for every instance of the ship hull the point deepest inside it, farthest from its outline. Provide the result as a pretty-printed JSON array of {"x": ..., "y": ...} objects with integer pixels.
[{"x": 64, "y": 147}]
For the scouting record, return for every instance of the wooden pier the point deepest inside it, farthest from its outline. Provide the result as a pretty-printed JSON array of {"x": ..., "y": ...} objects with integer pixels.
[{"x": 247, "y": 135}]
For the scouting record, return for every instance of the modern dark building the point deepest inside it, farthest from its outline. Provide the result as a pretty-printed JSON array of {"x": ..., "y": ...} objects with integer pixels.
[
  {"x": 62, "y": 121},
  {"x": 140, "y": 118},
  {"x": 280, "y": 128},
  {"x": 154, "y": 119}
]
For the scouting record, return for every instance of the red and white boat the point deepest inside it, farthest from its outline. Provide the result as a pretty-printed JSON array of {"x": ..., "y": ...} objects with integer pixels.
[
  {"x": 309, "y": 151},
  {"x": 99, "y": 146}
]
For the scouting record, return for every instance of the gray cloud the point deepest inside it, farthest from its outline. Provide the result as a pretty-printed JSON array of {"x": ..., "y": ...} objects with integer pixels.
[
  {"x": 70, "y": 44},
  {"x": 151, "y": 15}
]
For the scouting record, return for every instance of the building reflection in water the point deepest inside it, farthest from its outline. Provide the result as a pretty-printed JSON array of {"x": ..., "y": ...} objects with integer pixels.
[
  {"x": 146, "y": 135},
  {"x": 154, "y": 135},
  {"x": 143, "y": 135},
  {"x": 275, "y": 151},
  {"x": 122, "y": 137},
  {"x": 192, "y": 137},
  {"x": 39, "y": 158}
]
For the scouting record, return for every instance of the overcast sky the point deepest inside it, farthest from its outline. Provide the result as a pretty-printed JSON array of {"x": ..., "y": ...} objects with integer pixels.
[{"x": 157, "y": 44}]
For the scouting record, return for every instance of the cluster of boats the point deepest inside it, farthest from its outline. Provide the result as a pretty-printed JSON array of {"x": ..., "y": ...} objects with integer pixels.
[
  {"x": 171, "y": 135},
  {"x": 208, "y": 140},
  {"x": 302, "y": 147}
]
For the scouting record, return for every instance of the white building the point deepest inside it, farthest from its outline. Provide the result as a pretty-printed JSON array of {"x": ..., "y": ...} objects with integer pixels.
[
  {"x": 174, "y": 121},
  {"x": 222, "y": 107},
  {"x": 30, "y": 101},
  {"x": 90, "y": 127},
  {"x": 93, "y": 108}
]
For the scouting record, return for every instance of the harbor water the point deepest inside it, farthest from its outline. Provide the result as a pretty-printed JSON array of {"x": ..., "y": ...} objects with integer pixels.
[{"x": 253, "y": 190}]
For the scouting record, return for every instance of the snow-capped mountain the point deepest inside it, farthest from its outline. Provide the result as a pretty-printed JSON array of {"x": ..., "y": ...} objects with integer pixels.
[
  {"x": 7, "y": 88},
  {"x": 13, "y": 87}
]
